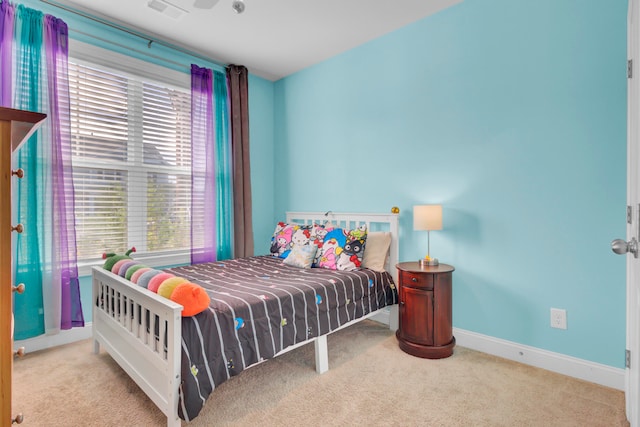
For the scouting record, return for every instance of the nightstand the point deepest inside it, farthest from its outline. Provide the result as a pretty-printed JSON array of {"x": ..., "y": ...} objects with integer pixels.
[{"x": 425, "y": 328}]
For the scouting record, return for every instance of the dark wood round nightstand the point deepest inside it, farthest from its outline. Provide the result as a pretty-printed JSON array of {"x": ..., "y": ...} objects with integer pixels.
[{"x": 425, "y": 328}]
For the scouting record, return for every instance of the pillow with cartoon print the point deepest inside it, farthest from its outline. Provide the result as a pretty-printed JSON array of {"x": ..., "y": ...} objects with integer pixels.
[
  {"x": 317, "y": 238},
  {"x": 301, "y": 256},
  {"x": 286, "y": 236},
  {"x": 342, "y": 249}
]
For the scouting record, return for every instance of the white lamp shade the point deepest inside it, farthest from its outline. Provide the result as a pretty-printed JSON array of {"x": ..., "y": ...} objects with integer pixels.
[{"x": 427, "y": 217}]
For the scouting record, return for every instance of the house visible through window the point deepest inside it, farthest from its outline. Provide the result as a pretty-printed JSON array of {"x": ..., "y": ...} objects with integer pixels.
[{"x": 131, "y": 154}]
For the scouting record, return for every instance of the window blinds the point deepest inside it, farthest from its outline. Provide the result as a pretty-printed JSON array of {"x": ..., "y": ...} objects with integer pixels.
[{"x": 131, "y": 153}]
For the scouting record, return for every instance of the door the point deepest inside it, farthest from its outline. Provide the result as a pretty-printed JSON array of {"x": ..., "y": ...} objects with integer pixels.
[
  {"x": 416, "y": 315},
  {"x": 630, "y": 246}
]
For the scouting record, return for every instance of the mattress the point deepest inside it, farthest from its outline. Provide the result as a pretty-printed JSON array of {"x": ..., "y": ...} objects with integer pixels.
[{"x": 259, "y": 307}]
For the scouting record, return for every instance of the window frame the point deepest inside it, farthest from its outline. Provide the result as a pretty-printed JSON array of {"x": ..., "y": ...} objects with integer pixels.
[{"x": 91, "y": 55}]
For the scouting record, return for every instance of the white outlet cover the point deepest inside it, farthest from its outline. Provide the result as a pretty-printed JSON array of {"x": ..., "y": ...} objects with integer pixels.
[{"x": 558, "y": 318}]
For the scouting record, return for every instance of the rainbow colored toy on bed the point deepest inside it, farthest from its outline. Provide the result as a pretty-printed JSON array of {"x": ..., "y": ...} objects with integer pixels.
[
  {"x": 112, "y": 258},
  {"x": 193, "y": 298}
]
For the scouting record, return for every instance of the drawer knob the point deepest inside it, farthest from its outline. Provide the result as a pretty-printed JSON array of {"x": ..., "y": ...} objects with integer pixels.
[
  {"x": 19, "y": 289},
  {"x": 18, "y": 172},
  {"x": 413, "y": 279},
  {"x": 19, "y": 228},
  {"x": 18, "y": 419}
]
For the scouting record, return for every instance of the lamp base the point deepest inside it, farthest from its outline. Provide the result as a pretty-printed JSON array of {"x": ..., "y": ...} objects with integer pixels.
[{"x": 428, "y": 262}]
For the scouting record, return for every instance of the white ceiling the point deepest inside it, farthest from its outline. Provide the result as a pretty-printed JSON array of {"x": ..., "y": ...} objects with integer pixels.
[{"x": 272, "y": 38}]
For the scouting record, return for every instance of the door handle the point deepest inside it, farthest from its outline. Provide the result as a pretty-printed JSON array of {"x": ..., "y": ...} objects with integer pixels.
[{"x": 622, "y": 247}]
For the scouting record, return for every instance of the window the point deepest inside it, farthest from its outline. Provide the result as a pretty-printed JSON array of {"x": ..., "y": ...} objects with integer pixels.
[{"x": 131, "y": 153}]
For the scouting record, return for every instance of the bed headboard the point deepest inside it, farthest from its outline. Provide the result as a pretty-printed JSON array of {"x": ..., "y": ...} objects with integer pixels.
[{"x": 374, "y": 222}]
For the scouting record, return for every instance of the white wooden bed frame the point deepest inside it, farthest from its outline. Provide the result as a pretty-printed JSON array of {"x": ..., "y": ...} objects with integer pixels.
[{"x": 132, "y": 343}]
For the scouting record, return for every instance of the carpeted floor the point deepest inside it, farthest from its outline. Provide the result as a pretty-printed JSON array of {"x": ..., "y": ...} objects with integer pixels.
[{"x": 371, "y": 382}]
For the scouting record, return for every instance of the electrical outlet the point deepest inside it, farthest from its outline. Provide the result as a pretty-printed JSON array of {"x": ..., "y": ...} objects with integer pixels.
[{"x": 558, "y": 318}]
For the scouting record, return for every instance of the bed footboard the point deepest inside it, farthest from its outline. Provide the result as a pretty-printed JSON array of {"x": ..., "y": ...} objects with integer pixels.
[{"x": 142, "y": 333}]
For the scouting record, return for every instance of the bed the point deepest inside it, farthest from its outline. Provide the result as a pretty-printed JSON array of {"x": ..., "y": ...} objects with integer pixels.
[{"x": 260, "y": 308}]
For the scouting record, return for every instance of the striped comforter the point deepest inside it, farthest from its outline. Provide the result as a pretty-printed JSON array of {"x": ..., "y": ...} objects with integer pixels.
[{"x": 260, "y": 306}]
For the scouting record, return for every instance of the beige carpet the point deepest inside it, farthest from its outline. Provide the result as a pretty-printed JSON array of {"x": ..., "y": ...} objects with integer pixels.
[{"x": 371, "y": 382}]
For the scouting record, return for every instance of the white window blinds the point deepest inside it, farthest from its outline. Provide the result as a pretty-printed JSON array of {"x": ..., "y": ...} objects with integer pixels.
[{"x": 131, "y": 154}]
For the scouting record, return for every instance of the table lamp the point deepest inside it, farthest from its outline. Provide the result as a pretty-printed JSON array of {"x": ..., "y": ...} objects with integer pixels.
[{"x": 427, "y": 217}]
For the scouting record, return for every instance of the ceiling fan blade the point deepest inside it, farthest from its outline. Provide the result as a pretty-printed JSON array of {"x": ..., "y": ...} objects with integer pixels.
[{"x": 205, "y": 4}]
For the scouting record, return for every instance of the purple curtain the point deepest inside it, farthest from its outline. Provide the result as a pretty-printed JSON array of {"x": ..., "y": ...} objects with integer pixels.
[
  {"x": 56, "y": 37},
  {"x": 203, "y": 178},
  {"x": 7, "y": 12}
]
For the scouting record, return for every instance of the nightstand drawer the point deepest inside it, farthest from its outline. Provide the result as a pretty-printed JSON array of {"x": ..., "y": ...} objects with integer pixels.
[{"x": 416, "y": 280}]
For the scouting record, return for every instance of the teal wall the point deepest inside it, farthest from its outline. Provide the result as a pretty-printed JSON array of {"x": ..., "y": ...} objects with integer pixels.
[
  {"x": 512, "y": 115},
  {"x": 261, "y": 133}
]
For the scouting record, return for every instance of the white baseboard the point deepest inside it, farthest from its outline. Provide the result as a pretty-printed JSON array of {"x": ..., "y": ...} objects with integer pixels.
[
  {"x": 555, "y": 362},
  {"x": 47, "y": 341}
]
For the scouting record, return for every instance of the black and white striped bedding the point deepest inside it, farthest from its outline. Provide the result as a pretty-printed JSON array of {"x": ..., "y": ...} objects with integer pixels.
[{"x": 259, "y": 307}]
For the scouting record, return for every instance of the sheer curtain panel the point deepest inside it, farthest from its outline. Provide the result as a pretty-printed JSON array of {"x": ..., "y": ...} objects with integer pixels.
[
  {"x": 34, "y": 52},
  {"x": 203, "y": 186},
  {"x": 211, "y": 201}
]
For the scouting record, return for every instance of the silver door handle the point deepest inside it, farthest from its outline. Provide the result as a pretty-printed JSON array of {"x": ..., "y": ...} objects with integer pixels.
[{"x": 621, "y": 247}]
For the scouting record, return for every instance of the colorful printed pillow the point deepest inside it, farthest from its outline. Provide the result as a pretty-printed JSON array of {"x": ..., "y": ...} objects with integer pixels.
[
  {"x": 317, "y": 238},
  {"x": 286, "y": 236},
  {"x": 343, "y": 249},
  {"x": 301, "y": 256}
]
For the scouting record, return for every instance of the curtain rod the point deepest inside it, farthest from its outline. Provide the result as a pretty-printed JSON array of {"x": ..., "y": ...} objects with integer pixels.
[
  {"x": 147, "y": 54},
  {"x": 133, "y": 33}
]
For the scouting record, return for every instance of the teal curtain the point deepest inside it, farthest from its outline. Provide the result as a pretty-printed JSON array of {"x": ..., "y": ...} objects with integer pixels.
[
  {"x": 224, "y": 202},
  {"x": 30, "y": 94},
  {"x": 45, "y": 252},
  {"x": 211, "y": 171}
]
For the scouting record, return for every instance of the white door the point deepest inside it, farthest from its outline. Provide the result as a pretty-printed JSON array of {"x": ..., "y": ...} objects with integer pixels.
[{"x": 630, "y": 246}]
